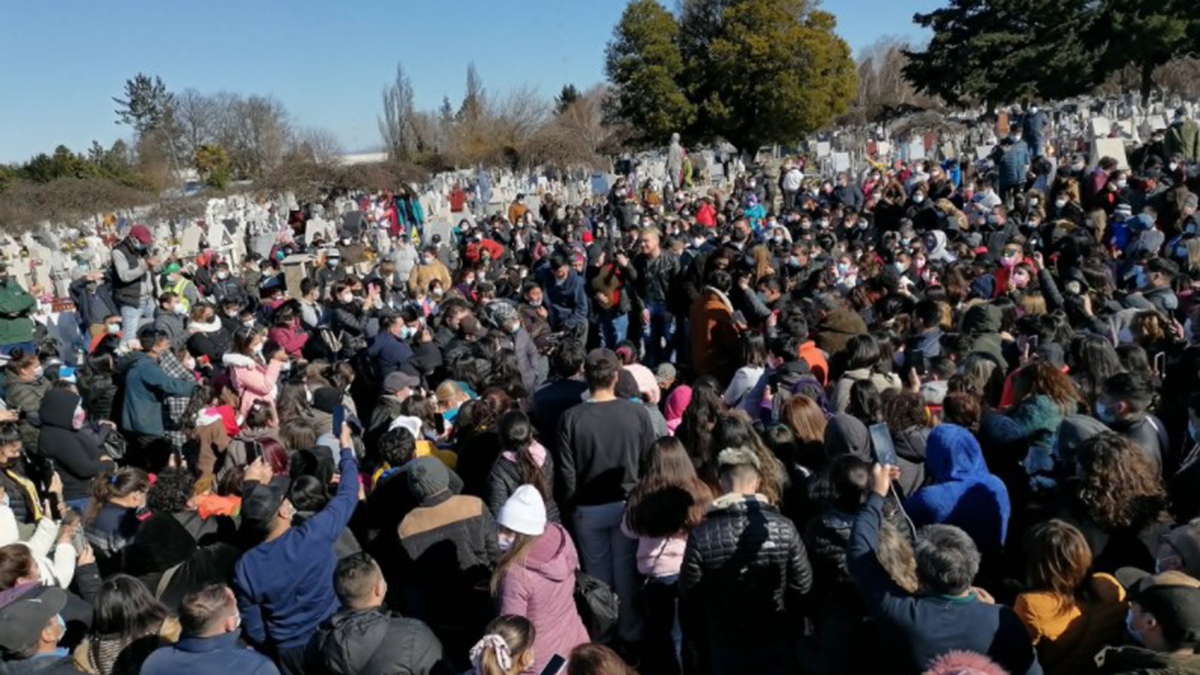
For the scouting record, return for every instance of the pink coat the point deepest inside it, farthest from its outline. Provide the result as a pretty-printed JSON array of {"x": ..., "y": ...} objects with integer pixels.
[
  {"x": 541, "y": 588},
  {"x": 252, "y": 380}
]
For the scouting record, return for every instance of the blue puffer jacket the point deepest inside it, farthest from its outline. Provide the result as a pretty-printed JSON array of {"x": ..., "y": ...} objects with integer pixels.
[
  {"x": 1012, "y": 163},
  {"x": 961, "y": 490}
]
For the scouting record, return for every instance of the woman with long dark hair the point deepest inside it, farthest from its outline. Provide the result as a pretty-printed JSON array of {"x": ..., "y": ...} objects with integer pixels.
[
  {"x": 696, "y": 429},
  {"x": 669, "y": 500},
  {"x": 522, "y": 461},
  {"x": 735, "y": 430},
  {"x": 128, "y": 625},
  {"x": 863, "y": 362}
]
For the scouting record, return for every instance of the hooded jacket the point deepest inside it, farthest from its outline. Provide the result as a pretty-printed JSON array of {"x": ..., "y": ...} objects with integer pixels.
[
  {"x": 961, "y": 491},
  {"x": 541, "y": 587},
  {"x": 847, "y": 435},
  {"x": 373, "y": 642},
  {"x": 76, "y": 455},
  {"x": 253, "y": 380},
  {"x": 15, "y": 307},
  {"x": 146, "y": 387},
  {"x": 836, "y": 329}
]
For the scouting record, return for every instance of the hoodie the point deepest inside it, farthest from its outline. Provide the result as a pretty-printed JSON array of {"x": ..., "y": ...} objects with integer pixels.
[
  {"x": 76, "y": 455},
  {"x": 541, "y": 587},
  {"x": 962, "y": 491}
]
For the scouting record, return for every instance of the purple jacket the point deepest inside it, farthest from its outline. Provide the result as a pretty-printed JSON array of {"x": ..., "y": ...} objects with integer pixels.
[{"x": 541, "y": 588}]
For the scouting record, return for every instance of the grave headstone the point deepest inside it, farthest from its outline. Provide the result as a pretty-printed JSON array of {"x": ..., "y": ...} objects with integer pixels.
[{"x": 1110, "y": 147}]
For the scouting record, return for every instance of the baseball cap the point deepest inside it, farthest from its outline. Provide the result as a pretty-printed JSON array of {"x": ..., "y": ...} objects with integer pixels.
[
  {"x": 260, "y": 503},
  {"x": 398, "y": 379},
  {"x": 26, "y": 614},
  {"x": 600, "y": 357},
  {"x": 141, "y": 233},
  {"x": 1173, "y": 598}
]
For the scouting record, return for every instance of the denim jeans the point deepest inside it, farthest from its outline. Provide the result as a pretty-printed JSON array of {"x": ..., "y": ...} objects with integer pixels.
[
  {"x": 607, "y": 554},
  {"x": 660, "y": 346},
  {"x": 613, "y": 327},
  {"x": 132, "y": 318}
]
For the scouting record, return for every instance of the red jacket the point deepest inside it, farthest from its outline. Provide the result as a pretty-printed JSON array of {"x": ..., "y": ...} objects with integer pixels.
[
  {"x": 707, "y": 215},
  {"x": 292, "y": 339}
]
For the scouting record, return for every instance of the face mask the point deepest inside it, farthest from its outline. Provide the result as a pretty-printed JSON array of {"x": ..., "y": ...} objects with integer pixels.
[
  {"x": 1077, "y": 167},
  {"x": 223, "y": 274},
  {"x": 437, "y": 292},
  {"x": 1129, "y": 629},
  {"x": 78, "y": 418},
  {"x": 843, "y": 268},
  {"x": 1034, "y": 201},
  {"x": 1104, "y": 414},
  {"x": 535, "y": 303},
  {"x": 505, "y": 541},
  {"x": 1020, "y": 280},
  {"x": 918, "y": 198},
  {"x": 347, "y": 298},
  {"x": 258, "y": 349},
  {"x": 822, "y": 223},
  {"x": 180, "y": 309},
  {"x": 1122, "y": 184},
  {"x": 405, "y": 332},
  {"x": 38, "y": 373},
  {"x": 515, "y": 327},
  {"x": 899, "y": 267},
  {"x": 1060, "y": 203},
  {"x": 560, "y": 282},
  {"x": 114, "y": 328},
  {"x": 1172, "y": 166},
  {"x": 794, "y": 262},
  {"x": 1009, "y": 261},
  {"x": 333, "y": 264},
  {"x": 698, "y": 242},
  {"x": 248, "y": 323},
  {"x": 427, "y": 260}
]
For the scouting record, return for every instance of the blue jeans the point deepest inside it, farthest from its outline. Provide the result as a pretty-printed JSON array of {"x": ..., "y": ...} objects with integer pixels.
[
  {"x": 660, "y": 347},
  {"x": 607, "y": 554},
  {"x": 132, "y": 319},
  {"x": 613, "y": 327}
]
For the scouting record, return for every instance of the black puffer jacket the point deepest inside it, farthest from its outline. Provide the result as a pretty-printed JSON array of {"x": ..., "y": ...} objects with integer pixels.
[
  {"x": 373, "y": 642},
  {"x": 745, "y": 560},
  {"x": 506, "y": 478}
]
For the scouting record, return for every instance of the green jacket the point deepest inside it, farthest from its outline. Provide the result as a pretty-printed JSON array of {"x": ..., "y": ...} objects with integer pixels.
[
  {"x": 1183, "y": 138},
  {"x": 15, "y": 307}
]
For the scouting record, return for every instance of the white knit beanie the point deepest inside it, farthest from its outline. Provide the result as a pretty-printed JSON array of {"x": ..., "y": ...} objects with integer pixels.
[{"x": 524, "y": 512}]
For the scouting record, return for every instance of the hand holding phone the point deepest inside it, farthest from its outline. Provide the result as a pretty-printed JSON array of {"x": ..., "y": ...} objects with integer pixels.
[
  {"x": 882, "y": 446},
  {"x": 339, "y": 420}
]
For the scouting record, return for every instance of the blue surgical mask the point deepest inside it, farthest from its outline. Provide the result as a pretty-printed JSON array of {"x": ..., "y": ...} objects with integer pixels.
[
  {"x": 1130, "y": 630},
  {"x": 1104, "y": 414}
]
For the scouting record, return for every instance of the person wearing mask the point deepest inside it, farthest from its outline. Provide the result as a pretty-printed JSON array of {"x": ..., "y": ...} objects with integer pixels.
[
  {"x": 210, "y": 626},
  {"x": 312, "y": 314},
  {"x": 949, "y": 614},
  {"x": 76, "y": 454},
  {"x": 170, "y": 317},
  {"x": 533, "y": 364},
  {"x": 133, "y": 280},
  {"x": 254, "y": 377},
  {"x": 767, "y": 582},
  {"x": 16, "y": 309},
  {"x": 25, "y": 385},
  {"x": 147, "y": 386},
  {"x": 23, "y": 498},
  {"x": 284, "y": 585},
  {"x": 535, "y": 577},
  {"x": 31, "y": 628},
  {"x": 1123, "y": 406},
  {"x": 110, "y": 520},
  {"x": 1163, "y": 622},
  {"x": 523, "y": 461},
  {"x": 228, "y": 288},
  {"x": 427, "y": 270},
  {"x": 207, "y": 336},
  {"x": 287, "y": 331},
  {"x": 390, "y": 350},
  {"x": 364, "y": 637},
  {"x": 601, "y": 446}
]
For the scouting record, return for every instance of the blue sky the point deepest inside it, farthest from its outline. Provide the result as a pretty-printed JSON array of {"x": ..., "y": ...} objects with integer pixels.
[{"x": 327, "y": 61}]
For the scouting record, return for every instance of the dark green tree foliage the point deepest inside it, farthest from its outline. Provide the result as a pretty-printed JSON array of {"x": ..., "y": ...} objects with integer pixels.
[
  {"x": 565, "y": 98},
  {"x": 993, "y": 51},
  {"x": 1147, "y": 33},
  {"x": 147, "y": 104},
  {"x": 765, "y": 71},
  {"x": 645, "y": 66}
]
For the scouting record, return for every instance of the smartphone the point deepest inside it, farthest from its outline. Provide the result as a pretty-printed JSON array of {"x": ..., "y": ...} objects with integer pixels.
[
  {"x": 339, "y": 418},
  {"x": 881, "y": 444},
  {"x": 554, "y": 665},
  {"x": 254, "y": 452},
  {"x": 1160, "y": 363}
]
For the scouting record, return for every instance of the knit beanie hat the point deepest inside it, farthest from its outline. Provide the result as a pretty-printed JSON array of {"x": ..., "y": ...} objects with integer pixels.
[
  {"x": 427, "y": 476},
  {"x": 524, "y": 512}
]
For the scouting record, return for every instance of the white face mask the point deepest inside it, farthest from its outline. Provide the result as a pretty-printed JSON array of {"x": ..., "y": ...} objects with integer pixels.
[
  {"x": 918, "y": 198},
  {"x": 1060, "y": 203},
  {"x": 114, "y": 328},
  {"x": 180, "y": 309},
  {"x": 223, "y": 274},
  {"x": 347, "y": 298}
]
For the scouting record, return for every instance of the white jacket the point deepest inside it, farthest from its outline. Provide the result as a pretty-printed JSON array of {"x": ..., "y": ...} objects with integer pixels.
[{"x": 56, "y": 562}]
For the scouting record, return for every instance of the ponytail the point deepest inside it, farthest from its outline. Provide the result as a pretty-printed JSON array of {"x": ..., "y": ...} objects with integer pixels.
[
  {"x": 516, "y": 434},
  {"x": 505, "y": 641},
  {"x": 114, "y": 484}
]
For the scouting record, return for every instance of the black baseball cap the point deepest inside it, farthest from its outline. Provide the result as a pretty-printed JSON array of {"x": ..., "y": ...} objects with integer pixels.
[
  {"x": 26, "y": 614},
  {"x": 1172, "y": 598}
]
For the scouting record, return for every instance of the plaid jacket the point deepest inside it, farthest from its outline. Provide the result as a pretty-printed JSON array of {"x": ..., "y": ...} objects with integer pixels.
[{"x": 175, "y": 405}]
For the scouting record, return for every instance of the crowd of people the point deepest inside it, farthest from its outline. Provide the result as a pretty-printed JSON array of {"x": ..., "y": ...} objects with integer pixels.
[{"x": 930, "y": 417}]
